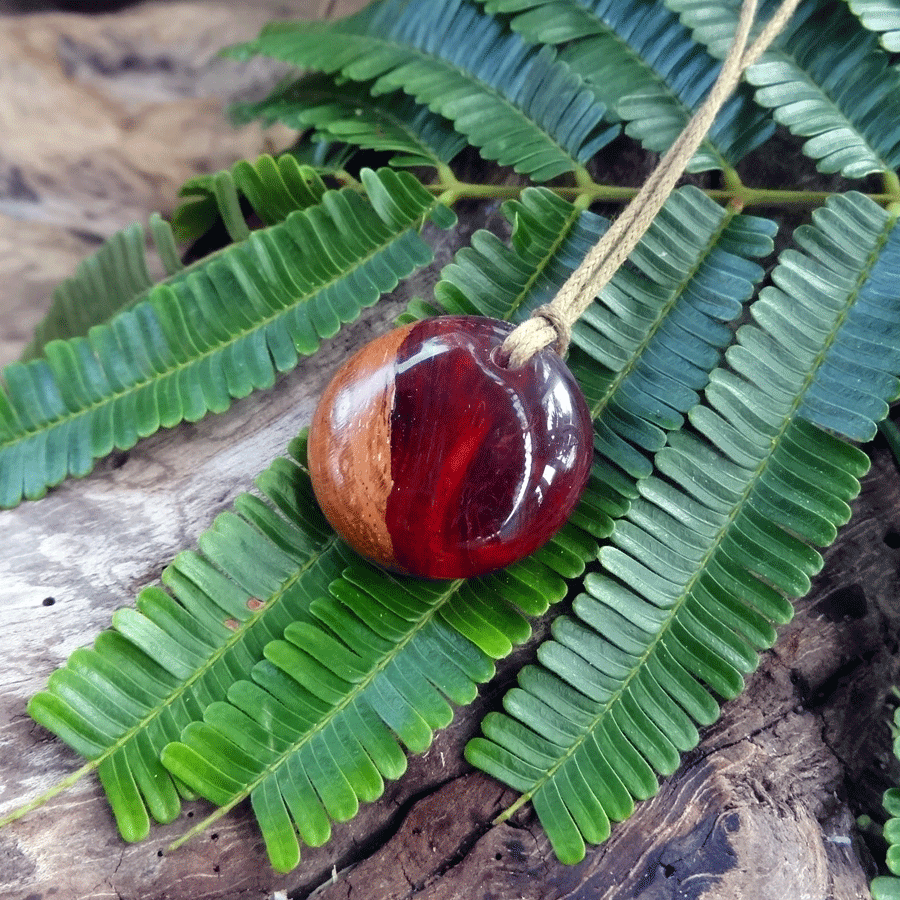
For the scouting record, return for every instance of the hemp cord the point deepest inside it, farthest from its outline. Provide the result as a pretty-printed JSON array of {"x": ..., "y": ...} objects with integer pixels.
[{"x": 552, "y": 323}]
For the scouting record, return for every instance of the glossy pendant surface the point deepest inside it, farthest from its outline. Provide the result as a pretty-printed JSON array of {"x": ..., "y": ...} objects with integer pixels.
[{"x": 430, "y": 458}]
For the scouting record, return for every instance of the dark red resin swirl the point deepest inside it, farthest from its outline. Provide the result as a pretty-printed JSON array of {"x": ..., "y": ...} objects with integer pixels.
[{"x": 485, "y": 462}]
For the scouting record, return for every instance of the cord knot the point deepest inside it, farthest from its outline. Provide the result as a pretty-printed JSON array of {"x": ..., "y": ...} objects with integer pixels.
[{"x": 548, "y": 326}]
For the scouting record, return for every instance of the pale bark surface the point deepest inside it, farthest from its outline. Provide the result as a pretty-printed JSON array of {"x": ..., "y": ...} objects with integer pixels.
[{"x": 103, "y": 118}]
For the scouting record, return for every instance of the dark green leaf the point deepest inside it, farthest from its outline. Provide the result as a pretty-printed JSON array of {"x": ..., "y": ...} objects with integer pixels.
[{"x": 516, "y": 103}]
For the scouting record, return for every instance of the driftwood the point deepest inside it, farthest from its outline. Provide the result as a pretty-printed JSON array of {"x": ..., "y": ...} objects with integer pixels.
[{"x": 102, "y": 118}]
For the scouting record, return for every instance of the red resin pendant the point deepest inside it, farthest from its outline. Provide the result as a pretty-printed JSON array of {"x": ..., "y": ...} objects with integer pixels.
[{"x": 430, "y": 458}]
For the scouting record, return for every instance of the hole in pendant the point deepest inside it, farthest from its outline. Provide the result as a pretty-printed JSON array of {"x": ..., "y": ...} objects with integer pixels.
[{"x": 499, "y": 358}]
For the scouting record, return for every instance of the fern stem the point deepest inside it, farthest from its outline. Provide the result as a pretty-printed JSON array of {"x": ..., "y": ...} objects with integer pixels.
[
  {"x": 583, "y": 178},
  {"x": 892, "y": 185},
  {"x": 451, "y": 192},
  {"x": 594, "y": 192},
  {"x": 780, "y": 197},
  {"x": 468, "y": 189},
  {"x": 49, "y": 794},
  {"x": 446, "y": 175},
  {"x": 733, "y": 184},
  {"x": 590, "y": 191}
]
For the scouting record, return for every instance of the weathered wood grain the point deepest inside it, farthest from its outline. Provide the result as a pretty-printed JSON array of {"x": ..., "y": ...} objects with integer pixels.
[
  {"x": 762, "y": 809},
  {"x": 104, "y": 117}
]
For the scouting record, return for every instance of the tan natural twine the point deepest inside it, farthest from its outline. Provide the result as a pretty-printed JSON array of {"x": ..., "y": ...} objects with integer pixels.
[{"x": 552, "y": 324}]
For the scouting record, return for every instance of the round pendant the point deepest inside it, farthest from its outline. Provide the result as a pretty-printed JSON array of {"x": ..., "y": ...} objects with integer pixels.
[{"x": 431, "y": 458}]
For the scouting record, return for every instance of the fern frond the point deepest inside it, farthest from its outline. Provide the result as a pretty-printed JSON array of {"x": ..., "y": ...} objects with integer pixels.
[
  {"x": 273, "y": 187},
  {"x": 345, "y": 113},
  {"x": 516, "y": 103},
  {"x": 213, "y": 333},
  {"x": 121, "y": 701},
  {"x": 705, "y": 561},
  {"x": 825, "y": 78},
  {"x": 643, "y": 65},
  {"x": 882, "y": 17}
]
